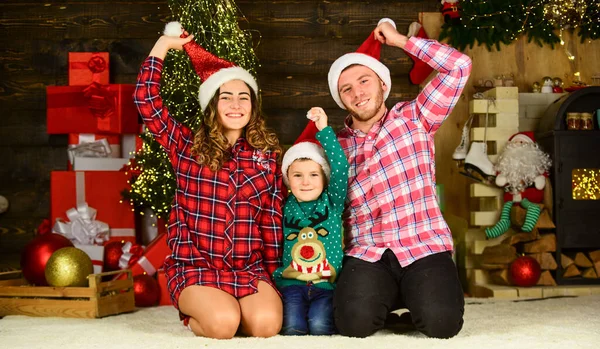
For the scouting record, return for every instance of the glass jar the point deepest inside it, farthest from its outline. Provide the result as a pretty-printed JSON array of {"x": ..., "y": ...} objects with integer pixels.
[
  {"x": 587, "y": 123},
  {"x": 573, "y": 121}
]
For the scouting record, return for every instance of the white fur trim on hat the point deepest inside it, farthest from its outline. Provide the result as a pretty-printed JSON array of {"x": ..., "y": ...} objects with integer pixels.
[
  {"x": 307, "y": 150},
  {"x": 212, "y": 84},
  {"x": 173, "y": 29},
  {"x": 356, "y": 58}
]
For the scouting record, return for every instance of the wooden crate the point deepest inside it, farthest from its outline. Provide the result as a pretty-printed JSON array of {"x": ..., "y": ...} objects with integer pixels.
[{"x": 100, "y": 299}]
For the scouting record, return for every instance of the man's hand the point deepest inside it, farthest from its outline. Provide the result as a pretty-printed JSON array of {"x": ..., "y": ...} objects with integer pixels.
[
  {"x": 318, "y": 115},
  {"x": 388, "y": 35}
]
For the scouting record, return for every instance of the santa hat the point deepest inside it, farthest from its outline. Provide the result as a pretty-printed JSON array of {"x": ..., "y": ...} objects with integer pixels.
[
  {"x": 306, "y": 147},
  {"x": 213, "y": 71},
  {"x": 368, "y": 55},
  {"x": 524, "y": 137},
  {"x": 420, "y": 70}
]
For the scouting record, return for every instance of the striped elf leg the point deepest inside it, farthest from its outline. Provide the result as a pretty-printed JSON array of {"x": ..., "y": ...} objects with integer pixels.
[
  {"x": 503, "y": 223},
  {"x": 532, "y": 215}
]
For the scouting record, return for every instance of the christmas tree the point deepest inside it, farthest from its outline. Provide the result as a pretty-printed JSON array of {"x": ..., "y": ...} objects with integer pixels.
[
  {"x": 214, "y": 24},
  {"x": 495, "y": 22}
]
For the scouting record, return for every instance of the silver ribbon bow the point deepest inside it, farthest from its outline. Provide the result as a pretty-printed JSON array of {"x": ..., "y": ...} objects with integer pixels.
[
  {"x": 83, "y": 228},
  {"x": 96, "y": 149}
]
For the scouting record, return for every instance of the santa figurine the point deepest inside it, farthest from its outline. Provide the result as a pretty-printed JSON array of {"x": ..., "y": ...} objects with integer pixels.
[
  {"x": 451, "y": 11},
  {"x": 521, "y": 169}
]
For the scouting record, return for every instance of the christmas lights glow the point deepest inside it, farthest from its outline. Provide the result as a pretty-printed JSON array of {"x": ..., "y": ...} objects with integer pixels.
[
  {"x": 495, "y": 22},
  {"x": 586, "y": 184},
  {"x": 214, "y": 24}
]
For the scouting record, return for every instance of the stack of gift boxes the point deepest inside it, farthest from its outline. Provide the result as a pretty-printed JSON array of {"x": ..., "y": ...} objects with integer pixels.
[{"x": 101, "y": 121}]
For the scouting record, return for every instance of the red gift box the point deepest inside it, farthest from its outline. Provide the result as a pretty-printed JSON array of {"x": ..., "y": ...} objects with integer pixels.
[
  {"x": 88, "y": 67},
  {"x": 132, "y": 143},
  {"x": 91, "y": 109},
  {"x": 75, "y": 139},
  {"x": 101, "y": 190},
  {"x": 165, "y": 298},
  {"x": 153, "y": 258}
]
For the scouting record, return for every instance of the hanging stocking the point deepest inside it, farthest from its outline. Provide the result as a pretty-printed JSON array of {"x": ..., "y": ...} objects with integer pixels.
[{"x": 420, "y": 70}]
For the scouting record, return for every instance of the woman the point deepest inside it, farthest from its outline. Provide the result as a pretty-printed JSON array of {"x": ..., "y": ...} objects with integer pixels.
[{"x": 225, "y": 223}]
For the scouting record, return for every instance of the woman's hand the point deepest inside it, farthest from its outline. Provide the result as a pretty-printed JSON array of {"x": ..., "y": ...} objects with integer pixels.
[{"x": 166, "y": 43}]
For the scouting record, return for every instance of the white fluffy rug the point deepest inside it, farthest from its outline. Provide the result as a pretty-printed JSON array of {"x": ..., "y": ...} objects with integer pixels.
[{"x": 561, "y": 323}]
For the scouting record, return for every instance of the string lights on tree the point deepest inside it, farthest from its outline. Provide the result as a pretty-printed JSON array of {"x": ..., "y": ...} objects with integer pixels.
[
  {"x": 214, "y": 24},
  {"x": 495, "y": 22}
]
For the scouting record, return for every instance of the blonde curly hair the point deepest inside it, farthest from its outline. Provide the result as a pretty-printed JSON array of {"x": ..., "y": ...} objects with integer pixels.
[{"x": 211, "y": 146}]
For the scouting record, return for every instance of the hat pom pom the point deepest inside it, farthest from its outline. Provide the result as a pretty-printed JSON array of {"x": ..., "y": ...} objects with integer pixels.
[
  {"x": 173, "y": 29},
  {"x": 389, "y": 20}
]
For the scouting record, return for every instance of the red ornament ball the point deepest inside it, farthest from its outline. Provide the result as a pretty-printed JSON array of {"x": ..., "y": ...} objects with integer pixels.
[
  {"x": 145, "y": 290},
  {"x": 36, "y": 253},
  {"x": 525, "y": 271},
  {"x": 112, "y": 253}
]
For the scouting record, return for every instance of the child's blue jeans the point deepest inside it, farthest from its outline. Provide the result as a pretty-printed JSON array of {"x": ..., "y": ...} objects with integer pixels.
[{"x": 307, "y": 310}]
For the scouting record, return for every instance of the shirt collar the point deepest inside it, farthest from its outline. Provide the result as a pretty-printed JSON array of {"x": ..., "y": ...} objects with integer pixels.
[{"x": 349, "y": 131}]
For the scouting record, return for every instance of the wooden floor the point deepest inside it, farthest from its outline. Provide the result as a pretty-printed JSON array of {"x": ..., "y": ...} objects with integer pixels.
[{"x": 512, "y": 292}]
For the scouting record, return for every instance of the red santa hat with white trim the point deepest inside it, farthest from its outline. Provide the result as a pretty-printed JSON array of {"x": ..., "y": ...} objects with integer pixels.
[
  {"x": 368, "y": 55},
  {"x": 523, "y": 137},
  {"x": 213, "y": 71},
  {"x": 306, "y": 147}
]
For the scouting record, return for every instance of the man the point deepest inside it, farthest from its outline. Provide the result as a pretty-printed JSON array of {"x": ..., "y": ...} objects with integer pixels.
[{"x": 398, "y": 246}]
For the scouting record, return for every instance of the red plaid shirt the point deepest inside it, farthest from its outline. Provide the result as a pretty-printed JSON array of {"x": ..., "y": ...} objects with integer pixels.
[
  {"x": 225, "y": 228},
  {"x": 391, "y": 202}
]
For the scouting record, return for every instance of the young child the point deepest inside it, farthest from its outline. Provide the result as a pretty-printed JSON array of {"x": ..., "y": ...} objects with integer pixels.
[
  {"x": 225, "y": 224},
  {"x": 312, "y": 250}
]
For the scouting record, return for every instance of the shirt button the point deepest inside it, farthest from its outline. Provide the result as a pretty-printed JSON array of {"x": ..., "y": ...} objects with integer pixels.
[
  {"x": 384, "y": 222},
  {"x": 388, "y": 244},
  {"x": 369, "y": 137}
]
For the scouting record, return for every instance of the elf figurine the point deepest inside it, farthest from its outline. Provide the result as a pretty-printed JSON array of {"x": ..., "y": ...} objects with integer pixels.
[{"x": 522, "y": 169}]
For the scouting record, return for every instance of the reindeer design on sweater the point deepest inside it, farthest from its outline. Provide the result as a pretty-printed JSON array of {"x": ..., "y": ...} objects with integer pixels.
[{"x": 309, "y": 258}]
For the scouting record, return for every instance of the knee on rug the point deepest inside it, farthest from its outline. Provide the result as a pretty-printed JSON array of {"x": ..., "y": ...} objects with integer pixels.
[
  {"x": 439, "y": 323},
  {"x": 359, "y": 321},
  {"x": 217, "y": 328}
]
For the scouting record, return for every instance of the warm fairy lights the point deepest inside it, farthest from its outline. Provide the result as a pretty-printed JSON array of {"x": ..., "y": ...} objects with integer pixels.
[
  {"x": 586, "y": 184},
  {"x": 492, "y": 22},
  {"x": 214, "y": 24}
]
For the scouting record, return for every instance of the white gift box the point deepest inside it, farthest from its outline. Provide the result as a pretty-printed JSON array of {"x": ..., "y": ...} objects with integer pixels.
[
  {"x": 99, "y": 164},
  {"x": 96, "y": 254}
]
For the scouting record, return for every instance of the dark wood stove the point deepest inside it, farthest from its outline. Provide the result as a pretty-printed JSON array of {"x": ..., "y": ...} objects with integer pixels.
[{"x": 575, "y": 175}]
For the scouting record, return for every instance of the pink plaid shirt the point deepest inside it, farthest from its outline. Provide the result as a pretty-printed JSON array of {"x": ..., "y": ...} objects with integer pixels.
[{"x": 391, "y": 202}]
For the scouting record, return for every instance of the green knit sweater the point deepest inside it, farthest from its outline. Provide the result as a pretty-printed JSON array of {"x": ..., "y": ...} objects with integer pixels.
[{"x": 312, "y": 248}]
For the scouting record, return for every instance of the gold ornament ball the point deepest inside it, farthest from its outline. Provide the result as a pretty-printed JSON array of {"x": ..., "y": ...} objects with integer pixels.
[{"x": 68, "y": 267}]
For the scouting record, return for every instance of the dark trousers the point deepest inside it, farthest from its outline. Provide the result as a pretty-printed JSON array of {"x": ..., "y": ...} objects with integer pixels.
[
  {"x": 429, "y": 288},
  {"x": 307, "y": 310}
]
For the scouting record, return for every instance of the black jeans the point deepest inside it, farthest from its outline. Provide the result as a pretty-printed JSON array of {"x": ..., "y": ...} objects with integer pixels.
[{"x": 429, "y": 288}]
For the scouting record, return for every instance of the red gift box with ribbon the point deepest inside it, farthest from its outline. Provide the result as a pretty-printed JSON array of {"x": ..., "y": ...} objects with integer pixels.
[
  {"x": 89, "y": 200},
  {"x": 91, "y": 145},
  {"x": 94, "y": 108},
  {"x": 153, "y": 258},
  {"x": 88, "y": 67}
]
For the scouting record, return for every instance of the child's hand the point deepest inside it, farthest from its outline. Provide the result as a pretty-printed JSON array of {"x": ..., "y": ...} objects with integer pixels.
[{"x": 318, "y": 115}]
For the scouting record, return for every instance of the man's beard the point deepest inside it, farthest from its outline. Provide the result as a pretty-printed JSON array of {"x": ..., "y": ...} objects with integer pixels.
[
  {"x": 521, "y": 163},
  {"x": 367, "y": 114}
]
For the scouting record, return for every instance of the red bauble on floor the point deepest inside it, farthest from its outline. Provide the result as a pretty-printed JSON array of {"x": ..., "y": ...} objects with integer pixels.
[
  {"x": 525, "y": 271},
  {"x": 145, "y": 290},
  {"x": 112, "y": 253},
  {"x": 36, "y": 253}
]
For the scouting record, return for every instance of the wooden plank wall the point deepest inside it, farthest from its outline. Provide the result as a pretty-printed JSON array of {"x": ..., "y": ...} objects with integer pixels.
[{"x": 296, "y": 43}]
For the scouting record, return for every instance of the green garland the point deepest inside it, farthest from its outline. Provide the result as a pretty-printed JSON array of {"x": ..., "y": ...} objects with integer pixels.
[
  {"x": 495, "y": 22},
  {"x": 214, "y": 24}
]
